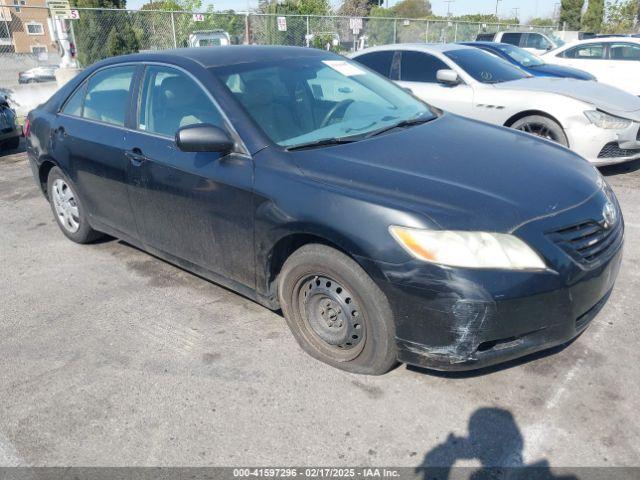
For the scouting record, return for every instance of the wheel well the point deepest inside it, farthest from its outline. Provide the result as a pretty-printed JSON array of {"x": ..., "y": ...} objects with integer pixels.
[
  {"x": 528, "y": 113},
  {"x": 43, "y": 174},
  {"x": 283, "y": 249}
]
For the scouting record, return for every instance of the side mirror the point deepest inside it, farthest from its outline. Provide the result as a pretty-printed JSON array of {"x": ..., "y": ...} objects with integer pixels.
[
  {"x": 203, "y": 137},
  {"x": 549, "y": 48},
  {"x": 448, "y": 77}
]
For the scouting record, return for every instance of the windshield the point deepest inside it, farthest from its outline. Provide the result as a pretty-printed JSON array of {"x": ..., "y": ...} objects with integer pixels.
[
  {"x": 522, "y": 57},
  {"x": 485, "y": 67},
  {"x": 304, "y": 100}
]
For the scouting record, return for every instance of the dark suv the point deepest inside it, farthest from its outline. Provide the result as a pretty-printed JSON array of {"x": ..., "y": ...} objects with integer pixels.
[{"x": 384, "y": 229}]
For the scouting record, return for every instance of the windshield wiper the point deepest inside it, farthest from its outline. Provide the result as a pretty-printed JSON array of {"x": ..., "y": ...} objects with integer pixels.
[
  {"x": 321, "y": 143},
  {"x": 403, "y": 123}
]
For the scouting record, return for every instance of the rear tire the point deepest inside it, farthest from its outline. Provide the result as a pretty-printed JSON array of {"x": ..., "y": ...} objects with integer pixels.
[
  {"x": 336, "y": 312},
  {"x": 68, "y": 208},
  {"x": 542, "y": 126}
]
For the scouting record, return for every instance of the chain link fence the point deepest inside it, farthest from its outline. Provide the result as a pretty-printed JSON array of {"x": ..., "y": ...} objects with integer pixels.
[{"x": 28, "y": 35}]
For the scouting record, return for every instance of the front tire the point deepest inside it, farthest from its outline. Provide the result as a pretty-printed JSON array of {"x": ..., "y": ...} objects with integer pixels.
[
  {"x": 68, "y": 208},
  {"x": 542, "y": 126},
  {"x": 336, "y": 312}
]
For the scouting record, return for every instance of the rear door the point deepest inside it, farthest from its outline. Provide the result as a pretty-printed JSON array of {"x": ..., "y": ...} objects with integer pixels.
[
  {"x": 89, "y": 141},
  {"x": 194, "y": 206},
  {"x": 625, "y": 65},
  {"x": 418, "y": 71},
  {"x": 590, "y": 57}
]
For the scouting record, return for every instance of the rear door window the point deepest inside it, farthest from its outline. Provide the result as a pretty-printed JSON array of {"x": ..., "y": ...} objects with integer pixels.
[
  {"x": 107, "y": 97},
  {"x": 591, "y": 51},
  {"x": 378, "y": 61},
  {"x": 511, "y": 38},
  {"x": 74, "y": 103},
  {"x": 420, "y": 67}
]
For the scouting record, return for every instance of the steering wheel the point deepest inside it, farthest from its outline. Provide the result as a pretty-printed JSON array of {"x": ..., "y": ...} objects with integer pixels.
[{"x": 338, "y": 109}]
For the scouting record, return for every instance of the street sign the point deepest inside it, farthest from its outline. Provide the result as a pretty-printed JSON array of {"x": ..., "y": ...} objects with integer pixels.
[
  {"x": 59, "y": 8},
  {"x": 75, "y": 15},
  {"x": 406, "y": 23},
  {"x": 282, "y": 24},
  {"x": 198, "y": 17},
  {"x": 5, "y": 14},
  {"x": 355, "y": 23}
]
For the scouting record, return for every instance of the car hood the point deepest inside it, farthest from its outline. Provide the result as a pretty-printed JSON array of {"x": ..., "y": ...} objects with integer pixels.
[
  {"x": 604, "y": 97},
  {"x": 569, "y": 72},
  {"x": 459, "y": 173}
]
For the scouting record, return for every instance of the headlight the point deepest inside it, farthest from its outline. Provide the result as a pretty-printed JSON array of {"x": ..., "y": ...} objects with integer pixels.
[
  {"x": 604, "y": 120},
  {"x": 468, "y": 249}
]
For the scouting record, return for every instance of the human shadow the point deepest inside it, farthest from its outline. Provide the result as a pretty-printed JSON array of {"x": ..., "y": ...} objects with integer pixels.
[{"x": 496, "y": 442}]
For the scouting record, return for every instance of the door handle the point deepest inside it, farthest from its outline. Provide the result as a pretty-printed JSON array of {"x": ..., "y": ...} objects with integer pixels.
[{"x": 136, "y": 157}]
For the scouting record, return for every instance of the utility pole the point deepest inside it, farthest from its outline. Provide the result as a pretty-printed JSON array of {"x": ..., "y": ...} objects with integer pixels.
[
  {"x": 449, "y": 2},
  {"x": 497, "y": 4},
  {"x": 516, "y": 10}
]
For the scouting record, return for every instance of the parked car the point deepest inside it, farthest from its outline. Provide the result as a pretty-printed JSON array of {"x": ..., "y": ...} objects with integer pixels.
[
  {"x": 384, "y": 229},
  {"x": 599, "y": 122},
  {"x": 209, "y": 38},
  {"x": 528, "y": 62},
  {"x": 534, "y": 42},
  {"x": 10, "y": 131},
  {"x": 45, "y": 73},
  {"x": 615, "y": 61}
]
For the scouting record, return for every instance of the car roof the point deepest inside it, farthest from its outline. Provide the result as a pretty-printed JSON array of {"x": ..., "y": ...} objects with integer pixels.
[
  {"x": 217, "y": 56},
  {"x": 426, "y": 47},
  {"x": 603, "y": 40},
  {"x": 495, "y": 45}
]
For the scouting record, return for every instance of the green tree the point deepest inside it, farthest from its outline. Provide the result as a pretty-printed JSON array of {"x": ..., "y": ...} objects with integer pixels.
[
  {"x": 122, "y": 40},
  {"x": 571, "y": 13},
  {"x": 412, "y": 9},
  {"x": 620, "y": 16},
  {"x": 94, "y": 28},
  {"x": 593, "y": 17},
  {"x": 541, "y": 22}
]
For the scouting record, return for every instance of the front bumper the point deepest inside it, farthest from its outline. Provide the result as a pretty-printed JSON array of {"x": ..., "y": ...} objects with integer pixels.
[
  {"x": 462, "y": 319},
  {"x": 604, "y": 147}
]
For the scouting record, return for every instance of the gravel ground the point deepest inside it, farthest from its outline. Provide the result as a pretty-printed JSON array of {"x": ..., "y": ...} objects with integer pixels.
[{"x": 110, "y": 356}]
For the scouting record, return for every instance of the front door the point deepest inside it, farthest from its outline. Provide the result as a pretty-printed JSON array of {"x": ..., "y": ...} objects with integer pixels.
[
  {"x": 418, "y": 72},
  {"x": 194, "y": 206}
]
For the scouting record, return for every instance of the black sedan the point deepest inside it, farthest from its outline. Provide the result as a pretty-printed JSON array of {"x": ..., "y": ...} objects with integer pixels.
[{"x": 384, "y": 229}]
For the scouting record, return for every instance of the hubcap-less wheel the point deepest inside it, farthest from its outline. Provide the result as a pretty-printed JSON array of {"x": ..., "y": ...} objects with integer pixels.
[
  {"x": 332, "y": 315},
  {"x": 65, "y": 205},
  {"x": 539, "y": 130}
]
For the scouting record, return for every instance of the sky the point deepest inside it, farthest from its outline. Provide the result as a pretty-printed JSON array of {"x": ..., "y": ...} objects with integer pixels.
[{"x": 526, "y": 8}]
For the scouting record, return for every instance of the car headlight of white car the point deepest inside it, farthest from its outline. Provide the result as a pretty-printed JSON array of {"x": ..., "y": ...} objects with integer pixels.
[
  {"x": 604, "y": 120},
  {"x": 468, "y": 249}
]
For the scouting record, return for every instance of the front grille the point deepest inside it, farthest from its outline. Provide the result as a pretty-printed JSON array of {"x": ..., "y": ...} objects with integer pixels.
[
  {"x": 589, "y": 243},
  {"x": 613, "y": 150}
]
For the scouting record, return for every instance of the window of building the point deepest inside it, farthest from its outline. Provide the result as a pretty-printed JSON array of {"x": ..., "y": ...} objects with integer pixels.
[
  {"x": 38, "y": 49},
  {"x": 35, "y": 28}
]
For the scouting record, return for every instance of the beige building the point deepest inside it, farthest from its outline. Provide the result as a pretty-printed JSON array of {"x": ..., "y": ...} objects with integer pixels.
[{"x": 25, "y": 27}]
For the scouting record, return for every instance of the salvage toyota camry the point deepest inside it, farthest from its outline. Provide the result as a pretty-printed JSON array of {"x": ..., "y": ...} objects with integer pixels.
[{"x": 383, "y": 228}]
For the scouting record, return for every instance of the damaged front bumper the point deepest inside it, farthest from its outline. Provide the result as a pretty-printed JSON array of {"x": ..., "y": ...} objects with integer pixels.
[{"x": 461, "y": 319}]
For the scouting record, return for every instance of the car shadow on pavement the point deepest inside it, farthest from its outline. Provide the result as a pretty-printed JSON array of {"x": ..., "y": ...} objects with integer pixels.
[{"x": 495, "y": 440}]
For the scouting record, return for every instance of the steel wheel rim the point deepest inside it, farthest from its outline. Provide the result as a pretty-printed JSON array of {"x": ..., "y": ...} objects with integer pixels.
[
  {"x": 333, "y": 319},
  {"x": 539, "y": 130},
  {"x": 65, "y": 205}
]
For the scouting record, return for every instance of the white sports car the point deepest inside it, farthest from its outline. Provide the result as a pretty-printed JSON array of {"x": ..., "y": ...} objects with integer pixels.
[
  {"x": 599, "y": 122},
  {"x": 612, "y": 60}
]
